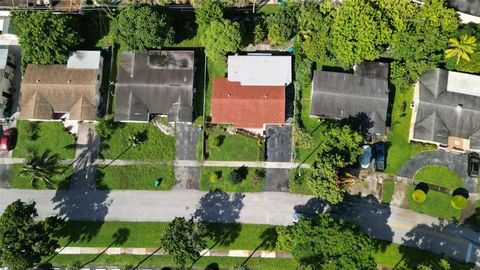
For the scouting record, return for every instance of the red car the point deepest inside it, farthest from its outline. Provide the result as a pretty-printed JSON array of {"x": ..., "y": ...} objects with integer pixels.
[{"x": 6, "y": 141}]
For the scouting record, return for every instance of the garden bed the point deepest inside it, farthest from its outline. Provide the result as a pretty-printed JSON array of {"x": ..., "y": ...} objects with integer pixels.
[
  {"x": 437, "y": 204},
  {"x": 250, "y": 183}
]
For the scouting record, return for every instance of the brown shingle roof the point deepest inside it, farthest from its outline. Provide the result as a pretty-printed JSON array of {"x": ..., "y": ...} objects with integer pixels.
[
  {"x": 247, "y": 106},
  {"x": 55, "y": 88}
]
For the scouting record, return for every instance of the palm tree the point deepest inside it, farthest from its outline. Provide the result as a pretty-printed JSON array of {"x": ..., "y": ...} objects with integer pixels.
[
  {"x": 41, "y": 168},
  {"x": 461, "y": 48}
]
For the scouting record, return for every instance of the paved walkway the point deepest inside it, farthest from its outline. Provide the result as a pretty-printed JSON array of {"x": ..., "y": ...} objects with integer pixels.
[
  {"x": 453, "y": 161},
  {"x": 84, "y": 168},
  {"x": 160, "y": 252},
  {"x": 384, "y": 222}
]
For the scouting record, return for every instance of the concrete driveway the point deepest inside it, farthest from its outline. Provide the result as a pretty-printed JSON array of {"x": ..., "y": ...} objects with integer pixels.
[
  {"x": 278, "y": 149},
  {"x": 456, "y": 162},
  {"x": 186, "y": 139}
]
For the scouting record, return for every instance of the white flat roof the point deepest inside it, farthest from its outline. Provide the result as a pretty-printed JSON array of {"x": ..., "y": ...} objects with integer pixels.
[
  {"x": 463, "y": 83},
  {"x": 260, "y": 70},
  {"x": 3, "y": 59},
  {"x": 84, "y": 59}
]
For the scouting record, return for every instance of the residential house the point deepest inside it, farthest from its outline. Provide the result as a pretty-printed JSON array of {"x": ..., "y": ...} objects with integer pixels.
[
  {"x": 446, "y": 110},
  {"x": 155, "y": 83},
  {"x": 63, "y": 92},
  {"x": 7, "y": 71},
  {"x": 361, "y": 97},
  {"x": 64, "y": 6},
  {"x": 253, "y": 95}
]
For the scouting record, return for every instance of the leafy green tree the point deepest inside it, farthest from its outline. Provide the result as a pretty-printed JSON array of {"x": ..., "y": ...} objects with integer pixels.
[
  {"x": 184, "y": 240},
  {"x": 259, "y": 33},
  {"x": 105, "y": 126},
  {"x": 45, "y": 37},
  {"x": 220, "y": 38},
  {"x": 419, "y": 37},
  {"x": 41, "y": 168},
  {"x": 142, "y": 28},
  {"x": 325, "y": 243},
  {"x": 461, "y": 48},
  {"x": 24, "y": 241},
  {"x": 206, "y": 12},
  {"x": 282, "y": 25},
  {"x": 359, "y": 32},
  {"x": 340, "y": 146},
  {"x": 440, "y": 265}
]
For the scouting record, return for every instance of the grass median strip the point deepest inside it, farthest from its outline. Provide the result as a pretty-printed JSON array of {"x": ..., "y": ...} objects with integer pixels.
[
  {"x": 253, "y": 179},
  {"x": 18, "y": 181},
  {"x": 138, "y": 177}
]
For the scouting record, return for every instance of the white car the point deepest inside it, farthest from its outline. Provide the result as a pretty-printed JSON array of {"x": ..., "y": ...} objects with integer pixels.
[{"x": 366, "y": 156}]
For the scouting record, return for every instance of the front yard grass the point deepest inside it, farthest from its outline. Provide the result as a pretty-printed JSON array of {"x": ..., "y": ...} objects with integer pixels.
[
  {"x": 440, "y": 176},
  {"x": 50, "y": 136},
  {"x": 249, "y": 184},
  {"x": 236, "y": 147},
  {"x": 22, "y": 182},
  {"x": 437, "y": 204},
  {"x": 387, "y": 191},
  {"x": 157, "y": 147},
  {"x": 298, "y": 184},
  {"x": 137, "y": 177},
  {"x": 399, "y": 149}
]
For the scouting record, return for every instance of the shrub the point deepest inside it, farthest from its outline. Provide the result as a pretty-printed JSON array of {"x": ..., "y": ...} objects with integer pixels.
[
  {"x": 32, "y": 130},
  {"x": 259, "y": 33},
  {"x": 237, "y": 175},
  {"x": 419, "y": 196},
  {"x": 258, "y": 175},
  {"x": 303, "y": 139},
  {"x": 213, "y": 177},
  {"x": 459, "y": 202}
]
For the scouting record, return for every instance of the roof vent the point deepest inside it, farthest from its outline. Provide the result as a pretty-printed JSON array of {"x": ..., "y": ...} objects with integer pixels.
[
  {"x": 266, "y": 96},
  {"x": 229, "y": 95},
  {"x": 69, "y": 81},
  {"x": 37, "y": 81},
  {"x": 459, "y": 107}
]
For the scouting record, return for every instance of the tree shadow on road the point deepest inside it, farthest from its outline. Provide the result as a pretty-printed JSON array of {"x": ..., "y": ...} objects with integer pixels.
[{"x": 220, "y": 207}]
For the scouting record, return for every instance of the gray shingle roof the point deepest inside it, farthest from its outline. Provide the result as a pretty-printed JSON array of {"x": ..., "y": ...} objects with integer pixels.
[
  {"x": 158, "y": 82},
  {"x": 443, "y": 113},
  {"x": 362, "y": 96}
]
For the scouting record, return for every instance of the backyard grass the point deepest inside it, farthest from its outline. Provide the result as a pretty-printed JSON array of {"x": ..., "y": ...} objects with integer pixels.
[
  {"x": 214, "y": 69},
  {"x": 50, "y": 136},
  {"x": 22, "y": 182},
  {"x": 399, "y": 149},
  {"x": 269, "y": 9},
  {"x": 236, "y": 147},
  {"x": 249, "y": 184},
  {"x": 298, "y": 183},
  {"x": 387, "y": 191},
  {"x": 139, "y": 177},
  {"x": 437, "y": 204},
  {"x": 157, "y": 147},
  {"x": 439, "y": 176}
]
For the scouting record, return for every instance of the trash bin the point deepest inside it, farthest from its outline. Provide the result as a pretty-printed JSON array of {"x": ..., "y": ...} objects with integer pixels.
[{"x": 157, "y": 182}]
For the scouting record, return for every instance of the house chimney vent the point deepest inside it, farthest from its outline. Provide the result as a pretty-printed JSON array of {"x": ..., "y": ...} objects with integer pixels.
[{"x": 459, "y": 107}]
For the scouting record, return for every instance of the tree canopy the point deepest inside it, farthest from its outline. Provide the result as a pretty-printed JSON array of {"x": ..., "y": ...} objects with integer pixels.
[
  {"x": 220, "y": 38},
  {"x": 24, "y": 241},
  {"x": 282, "y": 25},
  {"x": 142, "y": 28},
  {"x": 359, "y": 32},
  {"x": 325, "y": 243},
  {"x": 183, "y": 240},
  {"x": 45, "y": 37},
  {"x": 208, "y": 11}
]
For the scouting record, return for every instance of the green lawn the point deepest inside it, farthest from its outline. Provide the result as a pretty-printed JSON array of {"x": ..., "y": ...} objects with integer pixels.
[
  {"x": 223, "y": 183},
  {"x": 148, "y": 234},
  {"x": 140, "y": 177},
  {"x": 298, "y": 183},
  {"x": 387, "y": 191},
  {"x": 400, "y": 150},
  {"x": 158, "y": 147},
  {"x": 203, "y": 263},
  {"x": 437, "y": 204},
  {"x": 214, "y": 69},
  {"x": 269, "y": 9},
  {"x": 18, "y": 181},
  {"x": 233, "y": 147},
  {"x": 50, "y": 136},
  {"x": 439, "y": 176}
]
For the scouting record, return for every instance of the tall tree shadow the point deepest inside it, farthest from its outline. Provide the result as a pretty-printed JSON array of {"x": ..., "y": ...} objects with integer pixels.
[
  {"x": 451, "y": 240},
  {"x": 220, "y": 207},
  {"x": 360, "y": 122},
  {"x": 269, "y": 241},
  {"x": 119, "y": 238}
]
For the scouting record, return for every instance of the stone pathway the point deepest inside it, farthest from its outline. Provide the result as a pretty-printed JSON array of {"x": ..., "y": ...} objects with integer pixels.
[
  {"x": 160, "y": 252},
  {"x": 400, "y": 198},
  {"x": 84, "y": 167}
]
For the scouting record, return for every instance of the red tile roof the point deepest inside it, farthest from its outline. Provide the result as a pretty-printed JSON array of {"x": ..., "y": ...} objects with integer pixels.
[{"x": 247, "y": 106}]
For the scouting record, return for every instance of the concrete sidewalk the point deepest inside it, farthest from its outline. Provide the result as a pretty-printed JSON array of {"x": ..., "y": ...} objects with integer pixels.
[{"x": 160, "y": 252}]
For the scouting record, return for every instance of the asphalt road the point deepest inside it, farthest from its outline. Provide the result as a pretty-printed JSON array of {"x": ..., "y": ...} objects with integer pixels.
[{"x": 381, "y": 221}]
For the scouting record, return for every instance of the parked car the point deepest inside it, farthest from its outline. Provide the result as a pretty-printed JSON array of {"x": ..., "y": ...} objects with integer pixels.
[
  {"x": 366, "y": 156},
  {"x": 380, "y": 157},
  {"x": 296, "y": 217},
  {"x": 6, "y": 140},
  {"x": 473, "y": 164}
]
